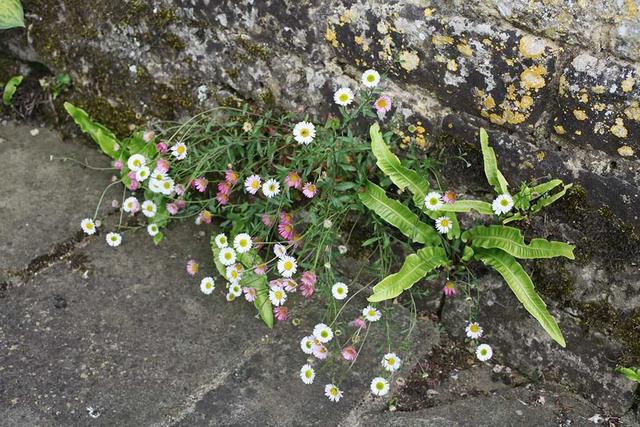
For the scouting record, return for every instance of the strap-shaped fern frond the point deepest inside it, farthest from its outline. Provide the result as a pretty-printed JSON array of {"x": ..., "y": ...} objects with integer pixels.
[{"x": 494, "y": 176}]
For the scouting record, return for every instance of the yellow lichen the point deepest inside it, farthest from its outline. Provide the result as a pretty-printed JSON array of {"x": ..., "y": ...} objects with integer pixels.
[
  {"x": 533, "y": 77},
  {"x": 540, "y": 155},
  {"x": 347, "y": 17},
  {"x": 452, "y": 65},
  {"x": 511, "y": 92},
  {"x": 627, "y": 84},
  {"x": 633, "y": 111},
  {"x": 559, "y": 129},
  {"x": 598, "y": 89},
  {"x": 489, "y": 102},
  {"x": 580, "y": 114},
  {"x": 625, "y": 151},
  {"x": 409, "y": 60},
  {"x": 358, "y": 39},
  {"x": 330, "y": 36},
  {"x": 499, "y": 120},
  {"x": 428, "y": 12},
  {"x": 618, "y": 129},
  {"x": 532, "y": 47},
  {"x": 563, "y": 85},
  {"x": 464, "y": 49},
  {"x": 578, "y": 132},
  {"x": 441, "y": 40},
  {"x": 599, "y": 106},
  {"x": 526, "y": 102},
  {"x": 584, "y": 98}
]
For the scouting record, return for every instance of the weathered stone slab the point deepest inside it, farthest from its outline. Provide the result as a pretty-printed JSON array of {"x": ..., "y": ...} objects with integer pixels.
[
  {"x": 133, "y": 337},
  {"x": 599, "y": 105},
  {"x": 42, "y": 201}
]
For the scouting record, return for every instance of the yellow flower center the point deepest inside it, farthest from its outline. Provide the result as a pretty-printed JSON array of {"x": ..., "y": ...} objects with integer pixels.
[
  {"x": 136, "y": 163},
  {"x": 433, "y": 201},
  {"x": 382, "y": 103},
  {"x": 444, "y": 223},
  {"x": 307, "y": 374},
  {"x": 379, "y": 386},
  {"x": 208, "y": 285},
  {"x": 255, "y": 185},
  {"x": 288, "y": 265},
  {"x": 371, "y": 78},
  {"x": 344, "y": 97},
  {"x": 278, "y": 294},
  {"x": 167, "y": 185},
  {"x": 372, "y": 313},
  {"x": 89, "y": 226},
  {"x": 180, "y": 149},
  {"x": 473, "y": 328},
  {"x": 504, "y": 202},
  {"x": 391, "y": 361},
  {"x": 340, "y": 290},
  {"x": 304, "y": 133},
  {"x": 333, "y": 391},
  {"x": 227, "y": 255},
  {"x": 243, "y": 243}
]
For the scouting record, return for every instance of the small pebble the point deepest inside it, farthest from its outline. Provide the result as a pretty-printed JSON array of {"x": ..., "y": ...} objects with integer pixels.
[{"x": 35, "y": 132}]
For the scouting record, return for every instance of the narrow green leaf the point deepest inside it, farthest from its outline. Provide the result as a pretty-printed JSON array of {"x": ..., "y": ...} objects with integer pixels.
[
  {"x": 522, "y": 286},
  {"x": 101, "y": 135},
  {"x": 10, "y": 89},
  {"x": 632, "y": 374},
  {"x": 415, "y": 267},
  {"x": 548, "y": 200},
  {"x": 515, "y": 217},
  {"x": 467, "y": 206},
  {"x": 467, "y": 254},
  {"x": 494, "y": 176},
  {"x": 158, "y": 238},
  {"x": 543, "y": 188},
  {"x": 398, "y": 215},
  {"x": 510, "y": 240},
  {"x": 262, "y": 302},
  {"x": 390, "y": 164},
  {"x": 11, "y": 14}
]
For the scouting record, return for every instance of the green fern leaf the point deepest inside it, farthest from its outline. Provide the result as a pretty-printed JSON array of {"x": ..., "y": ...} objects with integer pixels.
[
  {"x": 510, "y": 240},
  {"x": 494, "y": 176},
  {"x": 522, "y": 286}
]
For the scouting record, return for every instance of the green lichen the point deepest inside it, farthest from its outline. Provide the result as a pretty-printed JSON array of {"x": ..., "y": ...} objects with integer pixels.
[{"x": 255, "y": 49}]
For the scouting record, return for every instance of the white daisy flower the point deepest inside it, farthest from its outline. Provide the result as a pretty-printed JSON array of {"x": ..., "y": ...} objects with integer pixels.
[
  {"x": 370, "y": 78},
  {"x": 233, "y": 273},
  {"x": 179, "y": 151},
  {"x": 304, "y": 132},
  {"x": 379, "y": 386},
  {"x": 287, "y": 266},
  {"x": 322, "y": 333},
  {"x": 227, "y": 256},
  {"x": 230, "y": 297},
  {"x": 130, "y": 204},
  {"x": 153, "y": 229},
  {"x": 242, "y": 243},
  {"x": 279, "y": 250},
  {"x": 333, "y": 393},
  {"x": 371, "y": 314},
  {"x": 474, "y": 330},
  {"x": 143, "y": 173},
  {"x": 277, "y": 295},
  {"x": 443, "y": 224},
  {"x": 149, "y": 208},
  {"x": 167, "y": 186},
  {"x": 221, "y": 241},
  {"x": 114, "y": 239},
  {"x": 307, "y": 374},
  {"x": 252, "y": 184},
  {"x": 433, "y": 201},
  {"x": 158, "y": 175},
  {"x": 484, "y": 352},
  {"x": 391, "y": 362},
  {"x": 339, "y": 291},
  {"x": 502, "y": 204},
  {"x": 343, "y": 96},
  {"x": 207, "y": 285},
  {"x": 88, "y": 226},
  {"x": 306, "y": 344},
  {"x": 271, "y": 188},
  {"x": 135, "y": 162},
  {"x": 148, "y": 135},
  {"x": 154, "y": 185},
  {"x": 235, "y": 289}
]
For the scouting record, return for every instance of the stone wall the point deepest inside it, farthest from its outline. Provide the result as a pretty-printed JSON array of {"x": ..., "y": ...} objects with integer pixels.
[{"x": 555, "y": 82}]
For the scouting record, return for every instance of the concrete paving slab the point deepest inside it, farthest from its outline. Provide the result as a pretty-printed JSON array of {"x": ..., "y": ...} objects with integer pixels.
[{"x": 41, "y": 201}]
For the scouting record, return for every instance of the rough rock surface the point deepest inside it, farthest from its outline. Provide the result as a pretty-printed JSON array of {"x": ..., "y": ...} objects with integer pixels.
[{"x": 555, "y": 83}]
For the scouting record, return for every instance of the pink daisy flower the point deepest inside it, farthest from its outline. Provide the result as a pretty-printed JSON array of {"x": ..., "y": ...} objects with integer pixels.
[
  {"x": 222, "y": 198},
  {"x": 309, "y": 190},
  {"x": 382, "y": 106},
  {"x": 449, "y": 289},
  {"x": 286, "y": 217},
  {"x": 205, "y": 216},
  {"x": 192, "y": 267},
  {"x": 359, "y": 323},
  {"x": 285, "y": 230},
  {"x": 449, "y": 197},
  {"x": 281, "y": 313},
  {"x": 179, "y": 189},
  {"x": 349, "y": 353},
  {"x": 162, "y": 147},
  {"x": 308, "y": 278},
  {"x": 319, "y": 351},
  {"x": 181, "y": 204},
  {"x": 224, "y": 187},
  {"x": 249, "y": 294},
  {"x": 293, "y": 180},
  {"x": 118, "y": 164},
  {"x": 231, "y": 177},
  {"x": 131, "y": 175},
  {"x": 134, "y": 185},
  {"x": 163, "y": 165},
  {"x": 201, "y": 183},
  {"x": 172, "y": 208},
  {"x": 260, "y": 270},
  {"x": 290, "y": 285},
  {"x": 266, "y": 220},
  {"x": 275, "y": 283}
]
